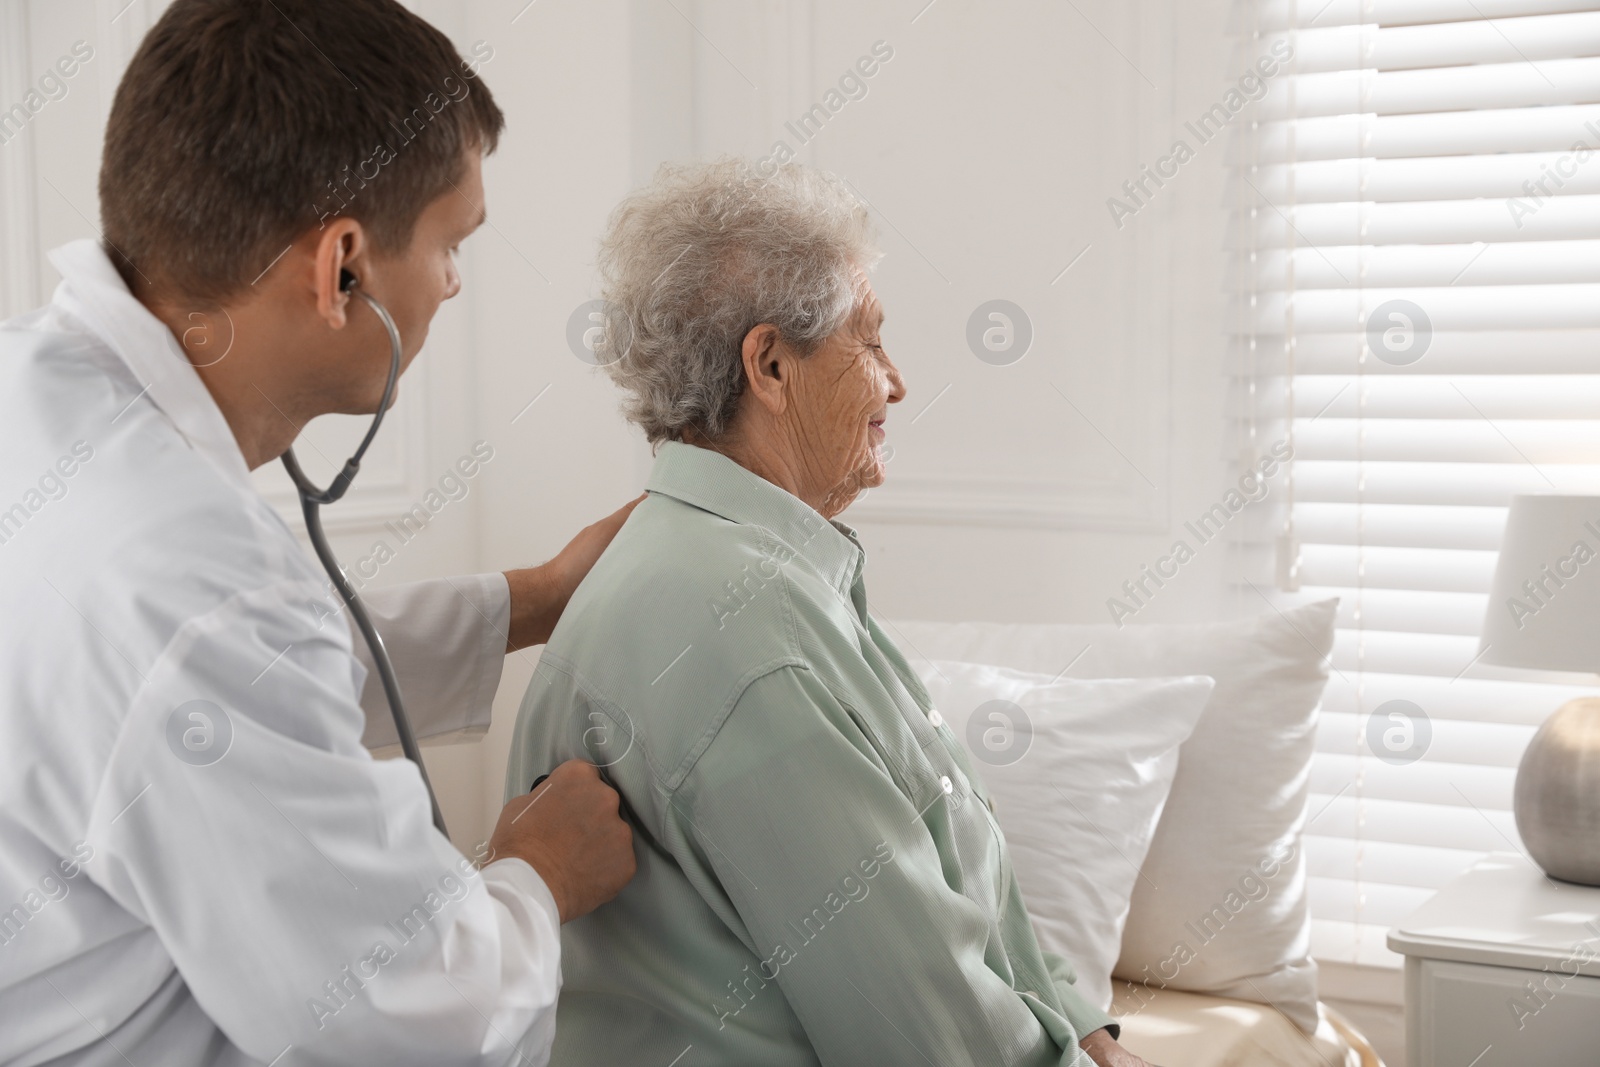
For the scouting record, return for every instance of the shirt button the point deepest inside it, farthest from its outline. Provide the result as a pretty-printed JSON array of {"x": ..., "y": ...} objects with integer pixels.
[
  {"x": 947, "y": 785},
  {"x": 935, "y": 718}
]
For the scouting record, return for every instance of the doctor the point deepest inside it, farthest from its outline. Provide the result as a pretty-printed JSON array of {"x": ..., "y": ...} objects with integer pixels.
[{"x": 199, "y": 861}]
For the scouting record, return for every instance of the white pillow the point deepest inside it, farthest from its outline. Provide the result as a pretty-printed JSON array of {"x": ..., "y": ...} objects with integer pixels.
[
  {"x": 1231, "y": 828},
  {"x": 1078, "y": 772}
]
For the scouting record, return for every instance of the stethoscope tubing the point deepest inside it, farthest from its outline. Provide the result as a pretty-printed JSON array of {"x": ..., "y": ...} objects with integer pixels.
[{"x": 311, "y": 501}]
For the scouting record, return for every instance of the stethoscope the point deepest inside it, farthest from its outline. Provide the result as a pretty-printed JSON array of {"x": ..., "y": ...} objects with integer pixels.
[{"x": 312, "y": 499}]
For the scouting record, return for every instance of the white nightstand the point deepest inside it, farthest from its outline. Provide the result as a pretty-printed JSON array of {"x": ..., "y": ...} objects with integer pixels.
[{"x": 1503, "y": 970}]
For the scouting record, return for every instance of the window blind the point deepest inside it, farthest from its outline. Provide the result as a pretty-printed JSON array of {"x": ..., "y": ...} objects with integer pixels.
[{"x": 1416, "y": 269}]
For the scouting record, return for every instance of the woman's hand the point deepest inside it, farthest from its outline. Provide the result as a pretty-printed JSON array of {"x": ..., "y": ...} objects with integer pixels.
[
  {"x": 540, "y": 594},
  {"x": 1103, "y": 1049}
]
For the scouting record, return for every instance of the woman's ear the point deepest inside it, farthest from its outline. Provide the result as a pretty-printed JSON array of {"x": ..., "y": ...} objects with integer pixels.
[{"x": 767, "y": 364}]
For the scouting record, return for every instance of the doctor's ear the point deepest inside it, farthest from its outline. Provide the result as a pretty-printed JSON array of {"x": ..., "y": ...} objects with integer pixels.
[{"x": 337, "y": 266}]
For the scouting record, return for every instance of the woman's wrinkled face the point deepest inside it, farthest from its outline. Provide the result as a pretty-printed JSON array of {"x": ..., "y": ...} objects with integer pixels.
[{"x": 841, "y": 396}]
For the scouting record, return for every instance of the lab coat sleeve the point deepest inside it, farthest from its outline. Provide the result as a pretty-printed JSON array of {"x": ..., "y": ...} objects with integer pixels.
[
  {"x": 447, "y": 640},
  {"x": 297, "y": 883},
  {"x": 797, "y": 834}
]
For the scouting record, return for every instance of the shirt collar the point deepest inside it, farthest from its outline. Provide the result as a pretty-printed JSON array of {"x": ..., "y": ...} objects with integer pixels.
[
  {"x": 713, "y": 482},
  {"x": 93, "y": 292}
]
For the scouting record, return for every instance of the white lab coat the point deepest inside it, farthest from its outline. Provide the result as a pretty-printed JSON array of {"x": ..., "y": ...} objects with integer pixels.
[{"x": 249, "y": 885}]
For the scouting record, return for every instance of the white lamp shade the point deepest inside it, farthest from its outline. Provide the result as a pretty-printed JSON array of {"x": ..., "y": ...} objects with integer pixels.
[{"x": 1544, "y": 608}]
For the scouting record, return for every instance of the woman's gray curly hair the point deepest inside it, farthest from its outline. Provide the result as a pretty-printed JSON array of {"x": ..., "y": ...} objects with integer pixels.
[{"x": 705, "y": 253}]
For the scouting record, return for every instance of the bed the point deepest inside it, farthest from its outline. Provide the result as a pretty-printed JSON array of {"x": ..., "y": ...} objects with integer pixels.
[
  {"x": 1155, "y": 827},
  {"x": 1175, "y": 1029}
]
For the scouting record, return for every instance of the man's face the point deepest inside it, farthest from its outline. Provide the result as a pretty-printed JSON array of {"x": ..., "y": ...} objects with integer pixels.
[{"x": 412, "y": 284}]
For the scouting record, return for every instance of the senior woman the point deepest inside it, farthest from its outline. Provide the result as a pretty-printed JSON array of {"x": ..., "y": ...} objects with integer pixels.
[{"x": 821, "y": 879}]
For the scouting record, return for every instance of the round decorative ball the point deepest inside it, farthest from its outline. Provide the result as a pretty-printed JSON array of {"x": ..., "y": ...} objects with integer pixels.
[{"x": 1557, "y": 800}]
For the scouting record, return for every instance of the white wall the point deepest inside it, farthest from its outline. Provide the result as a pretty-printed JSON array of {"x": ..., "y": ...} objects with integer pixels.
[{"x": 988, "y": 145}]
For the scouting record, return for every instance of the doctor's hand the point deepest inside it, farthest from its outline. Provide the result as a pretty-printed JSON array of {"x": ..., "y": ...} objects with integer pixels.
[
  {"x": 540, "y": 594},
  {"x": 569, "y": 831},
  {"x": 1104, "y": 1051}
]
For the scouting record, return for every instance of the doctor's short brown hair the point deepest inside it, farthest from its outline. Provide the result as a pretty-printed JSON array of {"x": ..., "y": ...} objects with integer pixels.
[{"x": 241, "y": 124}]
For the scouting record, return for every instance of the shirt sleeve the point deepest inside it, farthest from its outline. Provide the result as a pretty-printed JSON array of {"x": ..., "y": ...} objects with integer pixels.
[
  {"x": 1084, "y": 1016},
  {"x": 297, "y": 883},
  {"x": 795, "y": 832},
  {"x": 447, "y": 640}
]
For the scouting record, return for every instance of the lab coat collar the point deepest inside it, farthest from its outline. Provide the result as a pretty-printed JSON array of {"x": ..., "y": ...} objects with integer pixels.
[
  {"x": 92, "y": 291},
  {"x": 713, "y": 482}
]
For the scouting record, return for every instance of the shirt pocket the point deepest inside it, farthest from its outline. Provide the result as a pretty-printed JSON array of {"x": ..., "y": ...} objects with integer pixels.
[{"x": 927, "y": 767}]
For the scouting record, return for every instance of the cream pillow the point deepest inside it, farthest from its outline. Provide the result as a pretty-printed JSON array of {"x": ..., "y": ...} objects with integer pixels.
[
  {"x": 1229, "y": 837},
  {"x": 1078, "y": 772}
]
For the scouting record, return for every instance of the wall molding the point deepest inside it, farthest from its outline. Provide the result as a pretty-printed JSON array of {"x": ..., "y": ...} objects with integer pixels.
[
  {"x": 19, "y": 201},
  {"x": 1010, "y": 502},
  {"x": 393, "y": 478},
  {"x": 119, "y": 27},
  {"x": 1136, "y": 403},
  {"x": 780, "y": 41}
]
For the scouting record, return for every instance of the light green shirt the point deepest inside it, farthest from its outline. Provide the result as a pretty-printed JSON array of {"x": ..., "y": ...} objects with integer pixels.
[{"x": 820, "y": 878}]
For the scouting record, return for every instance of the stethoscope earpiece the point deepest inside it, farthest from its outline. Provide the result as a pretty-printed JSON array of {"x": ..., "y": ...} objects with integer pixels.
[{"x": 347, "y": 281}]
